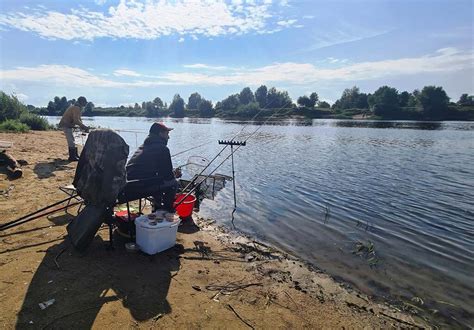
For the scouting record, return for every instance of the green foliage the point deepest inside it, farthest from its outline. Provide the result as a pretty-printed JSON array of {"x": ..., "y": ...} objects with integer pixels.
[
  {"x": 278, "y": 99},
  {"x": 261, "y": 96},
  {"x": 230, "y": 103},
  {"x": 194, "y": 100},
  {"x": 314, "y": 98},
  {"x": 403, "y": 99},
  {"x": 384, "y": 101},
  {"x": 324, "y": 105},
  {"x": 177, "y": 106},
  {"x": 35, "y": 122},
  {"x": 152, "y": 109},
  {"x": 58, "y": 106},
  {"x": 205, "y": 108},
  {"x": 246, "y": 96},
  {"x": 12, "y": 125},
  {"x": 352, "y": 98},
  {"x": 434, "y": 102},
  {"x": 10, "y": 107},
  {"x": 88, "y": 109},
  {"x": 308, "y": 102},
  {"x": 305, "y": 101},
  {"x": 466, "y": 100},
  {"x": 248, "y": 110}
]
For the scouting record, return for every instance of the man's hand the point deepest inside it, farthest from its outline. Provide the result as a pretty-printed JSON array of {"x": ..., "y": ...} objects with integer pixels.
[{"x": 177, "y": 173}]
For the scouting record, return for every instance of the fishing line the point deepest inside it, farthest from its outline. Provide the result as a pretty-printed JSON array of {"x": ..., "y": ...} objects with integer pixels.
[
  {"x": 235, "y": 136},
  {"x": 237, "y": 148}
]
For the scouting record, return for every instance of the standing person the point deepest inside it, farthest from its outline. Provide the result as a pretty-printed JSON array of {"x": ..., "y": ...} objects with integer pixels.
[
  {"x": 150, "y": 170},
  {"x": 71, "y": 118}
]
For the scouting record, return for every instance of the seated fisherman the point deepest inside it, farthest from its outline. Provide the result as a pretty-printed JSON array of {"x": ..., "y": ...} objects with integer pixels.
[{"x": 150, "y": 171}]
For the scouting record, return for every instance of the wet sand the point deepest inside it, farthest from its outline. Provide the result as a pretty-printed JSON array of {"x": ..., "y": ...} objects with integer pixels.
[{"x": 212, "y": 278}]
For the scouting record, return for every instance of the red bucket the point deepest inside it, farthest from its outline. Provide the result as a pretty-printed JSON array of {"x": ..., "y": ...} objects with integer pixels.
[{"x": 185, "y": 209}]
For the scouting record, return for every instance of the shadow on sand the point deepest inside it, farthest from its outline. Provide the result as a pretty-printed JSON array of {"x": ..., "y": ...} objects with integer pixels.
[
  {"x": 82, "y": 284},
  {"x": 45, "y": 170}
]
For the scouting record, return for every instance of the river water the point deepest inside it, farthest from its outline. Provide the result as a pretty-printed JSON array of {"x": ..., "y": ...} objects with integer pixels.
[{"x": 387, "y": 206}]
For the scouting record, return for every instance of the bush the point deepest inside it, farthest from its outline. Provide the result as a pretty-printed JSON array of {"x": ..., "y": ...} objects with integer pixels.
[
  {"x": 35, "y": 122},
  {"x": 10, "y": 107},
  {"x": 11, "y": 125}
]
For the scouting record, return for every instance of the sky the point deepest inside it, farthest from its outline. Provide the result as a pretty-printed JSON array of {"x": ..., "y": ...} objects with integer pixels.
[{"x": 118, "y": 52}]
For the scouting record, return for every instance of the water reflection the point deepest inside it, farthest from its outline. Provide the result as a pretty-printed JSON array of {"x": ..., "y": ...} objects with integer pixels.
[{"x": 389, "y": 124}]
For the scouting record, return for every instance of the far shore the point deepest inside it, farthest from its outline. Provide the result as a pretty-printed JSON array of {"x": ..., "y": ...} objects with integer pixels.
[{"x": 212, "y": 278}]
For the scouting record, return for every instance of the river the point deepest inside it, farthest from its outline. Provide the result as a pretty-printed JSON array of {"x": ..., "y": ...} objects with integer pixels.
[{"x": 384, "y": 205}]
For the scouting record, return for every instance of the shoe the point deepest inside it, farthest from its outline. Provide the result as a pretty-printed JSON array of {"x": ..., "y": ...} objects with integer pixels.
[{"x": 73, "y": 155}]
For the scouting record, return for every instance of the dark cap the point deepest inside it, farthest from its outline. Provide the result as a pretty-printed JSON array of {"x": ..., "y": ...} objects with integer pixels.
[{"x": 156, "y": 128}]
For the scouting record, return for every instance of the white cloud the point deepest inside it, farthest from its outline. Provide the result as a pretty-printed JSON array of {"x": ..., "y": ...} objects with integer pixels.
[
  {"x": 287, "y": 23},
  {"x": 125, "y": 72},
  {"x": 100, "y": 2},
  {"x": 444, "y": 60},
  {"x": 149, "y": 20},
  {"x": 204, "y": 66},
  {"x": 181, "y": 39}
]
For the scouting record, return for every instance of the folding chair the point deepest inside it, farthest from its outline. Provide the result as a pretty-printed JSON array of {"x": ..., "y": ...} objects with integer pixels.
[{"x": 71, "y": 191}]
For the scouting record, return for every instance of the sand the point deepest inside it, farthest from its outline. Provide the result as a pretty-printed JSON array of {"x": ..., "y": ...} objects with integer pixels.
[{"x": 212, "y": 278}]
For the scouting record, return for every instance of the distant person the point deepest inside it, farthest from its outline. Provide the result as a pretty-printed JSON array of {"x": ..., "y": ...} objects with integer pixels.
[
  {"x": 150, "y": 171},
  {"x": 70, "y": 119}
]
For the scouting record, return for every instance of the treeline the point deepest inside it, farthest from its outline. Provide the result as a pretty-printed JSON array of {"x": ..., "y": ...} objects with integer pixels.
[
  {"x": 16, "y": 116},
  {"x": 431, "y": 103}
]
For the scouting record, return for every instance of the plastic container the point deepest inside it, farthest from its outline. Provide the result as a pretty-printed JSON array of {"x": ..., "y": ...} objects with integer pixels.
[
  {"x": 185, "y": 209},
  {"x": 153, "y": 237}
]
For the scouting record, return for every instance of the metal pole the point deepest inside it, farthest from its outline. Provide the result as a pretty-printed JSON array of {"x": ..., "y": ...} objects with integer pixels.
[{"x": 233, "y": 184}]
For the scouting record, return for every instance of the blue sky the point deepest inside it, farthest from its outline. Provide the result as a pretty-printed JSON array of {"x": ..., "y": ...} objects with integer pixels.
[{"x": 122, "y": 51}]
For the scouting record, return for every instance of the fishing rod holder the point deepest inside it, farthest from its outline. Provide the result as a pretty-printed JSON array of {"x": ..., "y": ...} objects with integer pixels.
[{"x": 232, "y": 143}]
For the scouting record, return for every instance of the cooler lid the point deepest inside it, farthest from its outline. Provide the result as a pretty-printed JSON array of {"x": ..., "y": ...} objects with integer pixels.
[{"x": 144, "y": 222}]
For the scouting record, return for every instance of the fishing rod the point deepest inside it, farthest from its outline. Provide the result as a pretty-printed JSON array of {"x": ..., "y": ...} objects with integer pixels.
[
  {"x": 232, "y": 139},
  {"x": 27, "y": 218},
  {"x": 239, "y": 145},
  {"x": 38, "y": 211}
]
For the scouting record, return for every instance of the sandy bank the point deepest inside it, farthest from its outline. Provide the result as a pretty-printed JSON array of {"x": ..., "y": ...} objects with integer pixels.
[{"x": 211, "y": 278}]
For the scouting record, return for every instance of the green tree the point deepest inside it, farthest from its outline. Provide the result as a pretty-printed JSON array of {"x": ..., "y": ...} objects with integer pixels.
[
  {"x": 384, "y": 101},
  {"x": 465, "y": 99},
  {"x": 261, "y": 96},
  {"x": 205, "y": 108},
  {"x": 314, "y": 98},
  {"x": 362, "y": 101},
  {"x": 403, "y": 99},
  {"x": 434, "y": 101},
  {"x": 88, "y": 109},
  {"x": 246, "y": 96},
  {"x": 305, "y": 101},
  {"x": 349, "y": 99},
  {"x": 177, "y": 106},
  {"x": 194, "y": 100},
  {"x": 51, "y": 108},
  {"x": 324, "y": 105},
  {"x": 278, "y": 99},
  {"x": 158, "y": 103},
  {"x": 231, "y": 102},
  {"x": 413, "y": 99}
]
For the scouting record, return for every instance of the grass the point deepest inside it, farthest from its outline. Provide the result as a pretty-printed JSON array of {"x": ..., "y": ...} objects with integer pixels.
[
  {"x": 35, "y": 122},
  {"x": 367, "y": 251},
  {"x": 11, "y": 125}
]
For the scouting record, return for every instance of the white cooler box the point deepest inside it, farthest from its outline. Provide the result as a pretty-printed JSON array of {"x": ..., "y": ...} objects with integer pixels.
[{"x": 153, "y": 237}]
